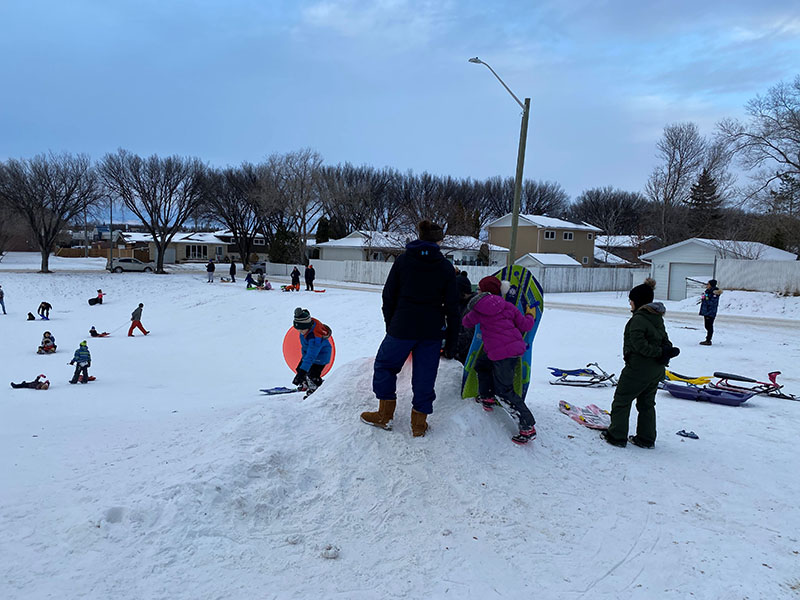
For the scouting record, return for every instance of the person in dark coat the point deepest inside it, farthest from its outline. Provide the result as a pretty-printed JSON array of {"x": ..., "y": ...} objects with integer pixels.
[
  {"x": 310, "y": 274},
  {"x": 210, "y": 267},
  {"x": 646, "y": 350},
  {"x": 40, "y": 383},
  {"x": 295, "y": 275},
  {"x": 464, "y": 288},
  {"x": 708, "y": 309},
  {"x": 420, "y": 307},
  {"x": 82, "y": 361},
  {"x": 2, "y": 301},
  {"x": 232, "y": 272},
  {"x": 44, "y": 310}
]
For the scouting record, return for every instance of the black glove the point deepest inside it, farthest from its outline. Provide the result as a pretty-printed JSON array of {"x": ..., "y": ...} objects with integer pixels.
[
  {"x": 449, "y": 353},
  {"x": 668, "y": 352},
  {"x": 300, "y": 377}
]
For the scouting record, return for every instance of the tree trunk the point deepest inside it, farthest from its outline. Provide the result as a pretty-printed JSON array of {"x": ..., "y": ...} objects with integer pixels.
[
  {"x": 159, "y": 258},
  {"x": 45, "y": 261}
]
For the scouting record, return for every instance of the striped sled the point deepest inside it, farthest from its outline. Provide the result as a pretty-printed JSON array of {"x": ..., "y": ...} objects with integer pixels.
[
  {"x": 586, "y": 377},
  {"x": 524, "y": 292}
]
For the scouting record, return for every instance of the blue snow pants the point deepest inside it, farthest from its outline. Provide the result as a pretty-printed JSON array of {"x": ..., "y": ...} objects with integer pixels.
[{"x": 392, "y": 354}]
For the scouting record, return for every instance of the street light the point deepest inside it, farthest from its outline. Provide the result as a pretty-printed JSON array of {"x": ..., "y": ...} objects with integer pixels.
[{"x": 523, "y": 136}]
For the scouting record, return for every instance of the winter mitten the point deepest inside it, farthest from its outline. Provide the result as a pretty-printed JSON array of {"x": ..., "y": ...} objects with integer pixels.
[{"x": 300, "y": 377}]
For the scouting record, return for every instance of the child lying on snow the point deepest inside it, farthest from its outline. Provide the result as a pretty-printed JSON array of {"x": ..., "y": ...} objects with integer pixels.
[{"x": 40, "y": 383}]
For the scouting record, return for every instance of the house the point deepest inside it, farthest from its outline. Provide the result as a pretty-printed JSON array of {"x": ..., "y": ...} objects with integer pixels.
[
  {"x": 695, "y": 258},
  {"x": 628, "y": 247},
  {"x": 604, "y": 258},
  {"x": 384, "y": 246},
  {"x": 546, "y": 235},
  {"x": 195, "y": 246},
  {"x": 532, "y": 259}
]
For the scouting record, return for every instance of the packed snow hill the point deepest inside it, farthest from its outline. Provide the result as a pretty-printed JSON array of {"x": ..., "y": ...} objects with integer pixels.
[{"x": 171, "y": 476}]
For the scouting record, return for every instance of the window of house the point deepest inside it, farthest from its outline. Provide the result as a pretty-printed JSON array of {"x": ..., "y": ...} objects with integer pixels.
[
  {"x": 218, "y": 252},
  {"x": 549, "y": 235},
  {"x": 258, "y": 242},
  {"x": 586, "y": 260},
  {"x": 568, "y": 235},
  {"x": 193, "y": 251},
  {"x": 589, "y": 236}
]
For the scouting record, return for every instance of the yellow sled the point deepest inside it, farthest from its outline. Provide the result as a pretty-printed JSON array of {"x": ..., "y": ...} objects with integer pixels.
[{"x": 670, "y": 376}]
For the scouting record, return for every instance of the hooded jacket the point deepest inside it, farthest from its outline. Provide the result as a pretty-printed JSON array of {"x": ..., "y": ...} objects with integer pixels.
[
  {"x": 645, "y": 338},
  {"x": 420, "y": 297},
  {"x": 502, "y": 325},
  {"x": 316, "y": 345}
]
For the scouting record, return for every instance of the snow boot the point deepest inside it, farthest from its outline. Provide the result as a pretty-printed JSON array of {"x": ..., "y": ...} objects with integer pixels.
[
  {"x": 637, "y": 441},
  {"x": 612, "y": 441},
  {"x": 419, "y": 424},
  {"x": 524, "y": 436},
  {"x": 706, "y": 343},
  {"x": 382, "y": 418},
  {"x": 488, "y": 404}
]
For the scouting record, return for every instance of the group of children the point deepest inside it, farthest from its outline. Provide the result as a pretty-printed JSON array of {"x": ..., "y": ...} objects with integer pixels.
[{"x": 82, "y": 358}]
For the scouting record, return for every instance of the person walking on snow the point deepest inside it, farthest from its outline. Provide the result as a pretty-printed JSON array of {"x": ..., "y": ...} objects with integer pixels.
[
  {"x": 420, "y": 307},
  {"x": 295, "y": 275},
  {"x": 502, "y": 326},
  {"x": 2, "y": 301},
  {"x": 232, "y": 271},
  {"x": 82, "y": 361},
  {"x": 317, "y": 349},
  {"x": 44, "y": 310},
  {"x": 708, "y": 309},
  {"x": 210, "y": 267},
  {"x": 646, "y": 350},
  {"x": 309, "y": 274},
  {"x": 136, "y": 321}
]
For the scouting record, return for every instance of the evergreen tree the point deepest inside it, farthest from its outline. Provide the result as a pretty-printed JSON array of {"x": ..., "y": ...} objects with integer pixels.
[
  {"x": 705, "y": 207},
  {"x": 323, "y": 230}
]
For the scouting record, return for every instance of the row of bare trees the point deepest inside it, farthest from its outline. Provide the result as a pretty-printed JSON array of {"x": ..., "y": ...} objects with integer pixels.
[{"x": 287, "y": 196}]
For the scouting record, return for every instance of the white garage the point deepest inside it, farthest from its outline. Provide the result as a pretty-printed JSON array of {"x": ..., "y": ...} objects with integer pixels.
[{"x": 673, "y": 266}]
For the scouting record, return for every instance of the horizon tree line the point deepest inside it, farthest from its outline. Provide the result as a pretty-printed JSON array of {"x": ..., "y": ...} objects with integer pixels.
[{"x": 690, "y": 193}]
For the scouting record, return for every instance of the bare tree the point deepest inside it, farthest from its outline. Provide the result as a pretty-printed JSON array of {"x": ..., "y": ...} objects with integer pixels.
[
  {"x": 231, "y": 195},
  {"x": 769, "y": 142},
  {"x": 616, "y": 212},
  {"x": 49, "y": 191},
  {"x": 161, "y": 192},
  {"x": 543, "y": 198},
  {"x": 683, "y": 152}
]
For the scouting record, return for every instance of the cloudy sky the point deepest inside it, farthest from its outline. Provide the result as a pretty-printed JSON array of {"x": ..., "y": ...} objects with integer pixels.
[{"x": 387, "y": 82}]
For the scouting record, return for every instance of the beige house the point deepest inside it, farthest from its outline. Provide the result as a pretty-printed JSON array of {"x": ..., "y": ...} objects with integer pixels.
[{"x": 546, "y": 235}]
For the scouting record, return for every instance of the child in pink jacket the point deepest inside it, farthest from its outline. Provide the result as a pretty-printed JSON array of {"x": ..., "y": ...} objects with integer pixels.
[{"x": 502, "y": 326}]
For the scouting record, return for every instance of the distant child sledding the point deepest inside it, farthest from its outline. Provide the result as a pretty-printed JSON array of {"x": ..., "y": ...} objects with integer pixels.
[
  {"x": 94, "y": 333},
  {"x": 48, "y": 345},
  {"x": 40, "y": 383},
  {"x": 317, "y": 350},
  {"x": 97, "y": 299}
]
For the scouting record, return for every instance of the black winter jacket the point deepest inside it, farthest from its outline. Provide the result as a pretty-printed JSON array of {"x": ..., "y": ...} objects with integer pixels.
[{"x": 420, "y": 297}]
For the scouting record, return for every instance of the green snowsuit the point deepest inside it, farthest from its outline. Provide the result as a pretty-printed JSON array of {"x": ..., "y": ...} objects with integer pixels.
[{"x": 642, "y": 348}]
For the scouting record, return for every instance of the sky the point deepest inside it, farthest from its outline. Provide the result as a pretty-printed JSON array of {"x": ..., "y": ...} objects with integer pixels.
[{"x": 387, "y": 82}]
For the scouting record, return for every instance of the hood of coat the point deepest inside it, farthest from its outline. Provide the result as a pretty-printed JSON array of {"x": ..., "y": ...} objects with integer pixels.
[
  {"x": 654, "y": 308},
  {"x": 489, "y": 304},
  {"x": 424, "y": 252}
]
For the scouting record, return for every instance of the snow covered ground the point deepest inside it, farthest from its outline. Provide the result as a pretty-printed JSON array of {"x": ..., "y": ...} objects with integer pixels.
[{"x": 171, "y": 477}]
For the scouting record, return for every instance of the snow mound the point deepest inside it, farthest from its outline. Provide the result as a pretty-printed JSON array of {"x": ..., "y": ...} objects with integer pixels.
[{"x": 762, "y": 304}]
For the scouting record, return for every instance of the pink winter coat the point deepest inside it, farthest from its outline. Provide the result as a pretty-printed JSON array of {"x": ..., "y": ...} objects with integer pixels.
[{"x": 502, "y": 326}]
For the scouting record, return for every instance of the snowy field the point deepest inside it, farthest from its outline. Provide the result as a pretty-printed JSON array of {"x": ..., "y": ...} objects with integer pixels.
[{"x": 171, "y": 477}]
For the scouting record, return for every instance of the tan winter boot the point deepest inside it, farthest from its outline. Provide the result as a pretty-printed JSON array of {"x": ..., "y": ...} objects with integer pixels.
[
  {"x": 419, "y": 423},
  {"x": 382, "y": 418}
]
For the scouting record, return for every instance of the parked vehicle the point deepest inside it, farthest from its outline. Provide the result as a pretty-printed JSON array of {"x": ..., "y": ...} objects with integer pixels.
[
  {"x": 258, "y": 268},
  {"x": 118, "y": 265}
]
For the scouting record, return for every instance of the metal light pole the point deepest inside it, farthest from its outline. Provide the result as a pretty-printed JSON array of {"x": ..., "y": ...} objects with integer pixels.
[{"x": 523, "y": 138}]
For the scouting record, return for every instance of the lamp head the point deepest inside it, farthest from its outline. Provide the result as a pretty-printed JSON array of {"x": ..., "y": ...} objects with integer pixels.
[{"x": 476, "y": 60}]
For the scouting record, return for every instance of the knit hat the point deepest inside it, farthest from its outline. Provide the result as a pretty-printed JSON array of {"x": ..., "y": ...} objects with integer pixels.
[
  {"x": 712, "y": 282},
  {"x": 490, "y": 284},
  {"x": 302, "y": 318},
  {"x": 83, "y": 343},
  {"x": 430, "y": 232},
  {"x": 642, "y": 294}
]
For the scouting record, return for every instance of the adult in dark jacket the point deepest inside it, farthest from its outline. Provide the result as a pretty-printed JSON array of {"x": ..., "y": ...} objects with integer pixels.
[
  {"x": 420, "y": 307},
  {"x": 232, "y": 271},
  {"x": 309, "y": 275},
  {"x": 464, "y": 288},
  {"x": 210, "y": 267},
  {"x": 295, "y": 275},
  {"x": 647, "y": 350},
  {"x": 708, "y": 309}
]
